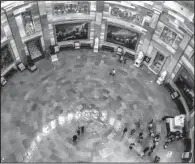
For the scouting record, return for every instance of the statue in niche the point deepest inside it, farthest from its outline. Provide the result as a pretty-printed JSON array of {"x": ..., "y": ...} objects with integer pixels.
[
  {"x": 28, "y": 23},
  {"x": 162, "y": 77},
  {"x": 96, "y": 45},
  {"x": 139, "y": 59}
]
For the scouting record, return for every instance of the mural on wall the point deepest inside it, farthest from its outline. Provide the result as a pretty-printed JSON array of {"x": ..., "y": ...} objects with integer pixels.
[
  {"x": 28, "y": 23},
  {"x": 6, "y": 58},
  {"x": 185, "y": 84},
  {"x": 71, "y": 31},
  {"x": 123, "y": 37},
  {"x": 135, "y": 16},
  {"x": 168, "y": 36},
  {"x": 75, "y": 7}
]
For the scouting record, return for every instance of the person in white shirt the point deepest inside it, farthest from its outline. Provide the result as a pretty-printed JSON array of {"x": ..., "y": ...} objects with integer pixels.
[{"x": 113, "y": 71}]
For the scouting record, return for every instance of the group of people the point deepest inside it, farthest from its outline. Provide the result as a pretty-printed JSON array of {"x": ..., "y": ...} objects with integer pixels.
[
  {"x": 148, "y": 150},
  {"x": 78, "y": 131},
  {"x": 172, "y": 137}
]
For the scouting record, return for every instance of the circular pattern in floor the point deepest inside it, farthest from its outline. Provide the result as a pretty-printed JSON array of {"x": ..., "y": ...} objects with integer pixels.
[{"x": 42, "y": 110}]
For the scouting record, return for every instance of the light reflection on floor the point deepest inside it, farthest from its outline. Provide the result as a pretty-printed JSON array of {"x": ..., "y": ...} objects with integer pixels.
[{"x": 47, "y": 129}]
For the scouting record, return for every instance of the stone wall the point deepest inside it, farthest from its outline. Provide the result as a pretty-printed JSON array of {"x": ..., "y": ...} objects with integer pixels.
[
  {"x": 151, "y": 28},
  {"x": 125, "y": 22},
  {"x": 73, "y": 17}
]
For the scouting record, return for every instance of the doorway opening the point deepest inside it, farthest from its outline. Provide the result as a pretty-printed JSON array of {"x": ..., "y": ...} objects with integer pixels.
[{"x": 158, "y": 63}]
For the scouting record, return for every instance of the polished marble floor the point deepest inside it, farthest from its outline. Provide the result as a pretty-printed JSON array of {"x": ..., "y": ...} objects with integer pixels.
[{"x": 41, "y": 111}]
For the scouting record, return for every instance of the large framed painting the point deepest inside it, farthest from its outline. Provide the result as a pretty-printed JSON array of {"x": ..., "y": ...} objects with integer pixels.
[
  {"x": 28, "y": 22},
  {"x": 122, "y": 36},
  {"x": 6, "y": 58},
  {"x": 72, "y": 31},
  {"x": 185, "y": 83},
  {"x": 168, "y": 36}
]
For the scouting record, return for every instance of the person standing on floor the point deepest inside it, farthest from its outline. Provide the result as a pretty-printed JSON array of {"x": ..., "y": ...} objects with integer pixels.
[
  {"x": 138, "y": 123},
  {"x": 150, "y": 125},
  {"x": 144, "y": 152},
  {"x": 150, "y": 152},
  {"x": 74, "y": 138},
  {"x": 156, "y": 139},
  {"x": 82, "y": 129},
  {"x": 131, "y": 145},
  {"x": 113, "y": 71},
  {"x": 78, "y": 130},
  {"x": 153, "y": 147},
  {"x": 124, "y": 130},
  {"x": 133, "y": 131},
  {"x": 166, "y": 144},
  {"x": 157, "y": 159},
  {"x": 140, "y": 137}
]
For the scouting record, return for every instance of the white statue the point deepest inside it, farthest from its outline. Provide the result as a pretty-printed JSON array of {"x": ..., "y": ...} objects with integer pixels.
[
  {"x": 162, "y": 77},
  {"x": 96, "y": 45},
  {"x": 139, "y": 59}
]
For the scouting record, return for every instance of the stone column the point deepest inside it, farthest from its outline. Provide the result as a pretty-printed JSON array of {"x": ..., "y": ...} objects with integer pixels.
[
  {"x": 16, "y": 35},
  {"x": 44, "y": 24},
  {"x": 151, "y": 29},
  {"x": 179, "y": 52},
  {"x": 98, "y": 22}
]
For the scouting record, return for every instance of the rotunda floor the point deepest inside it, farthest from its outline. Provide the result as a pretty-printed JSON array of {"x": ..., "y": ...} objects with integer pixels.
[{"x": 41, "y": 111}]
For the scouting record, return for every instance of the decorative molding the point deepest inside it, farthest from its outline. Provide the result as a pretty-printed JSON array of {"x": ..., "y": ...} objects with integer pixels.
[
  {"x": 126, "y": 24},
  {"x": 35, "y": 35},
  {"x": 21, "y": 9}
]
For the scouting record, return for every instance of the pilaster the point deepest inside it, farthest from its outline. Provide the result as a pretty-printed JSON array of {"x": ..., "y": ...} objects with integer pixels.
[
  {"x": 44, "y": 24},
  {"x": 16, "y": 35}
]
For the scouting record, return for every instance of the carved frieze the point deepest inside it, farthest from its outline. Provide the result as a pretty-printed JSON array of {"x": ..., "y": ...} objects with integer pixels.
[
  {"x": 74, "y": 7},
  {"x": 167, "y": 37},
  {"x": 136, "y": 16}
]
